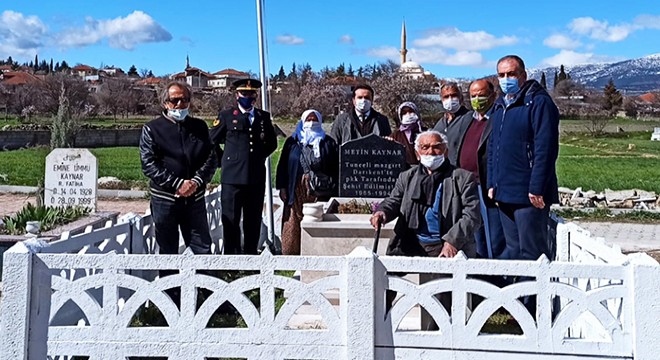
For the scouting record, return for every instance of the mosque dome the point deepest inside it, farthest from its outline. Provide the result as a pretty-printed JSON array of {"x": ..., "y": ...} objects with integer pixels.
[{"x": 411, "y": 66}]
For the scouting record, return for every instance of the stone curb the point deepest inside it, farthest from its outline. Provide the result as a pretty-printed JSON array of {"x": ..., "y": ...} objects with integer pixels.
[{"x": 104, "y": 193}]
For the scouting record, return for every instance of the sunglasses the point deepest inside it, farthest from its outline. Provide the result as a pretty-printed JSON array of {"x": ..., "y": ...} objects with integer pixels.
[{"x": 176, "y": 101}]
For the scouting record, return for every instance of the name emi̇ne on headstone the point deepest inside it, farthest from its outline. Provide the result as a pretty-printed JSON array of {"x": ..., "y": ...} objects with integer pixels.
[
  {"x": 71, "y": 178},
  {"x": 370, "y": 166}
]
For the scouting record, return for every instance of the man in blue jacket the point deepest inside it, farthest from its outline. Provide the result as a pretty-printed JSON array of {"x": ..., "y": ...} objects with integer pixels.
[{"x": 522, "y": 152}]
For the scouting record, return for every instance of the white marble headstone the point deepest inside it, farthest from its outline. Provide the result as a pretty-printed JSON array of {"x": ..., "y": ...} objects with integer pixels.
[{"x": 71, "y": 176}]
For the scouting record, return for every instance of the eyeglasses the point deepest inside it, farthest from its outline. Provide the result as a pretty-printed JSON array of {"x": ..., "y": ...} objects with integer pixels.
[
  {"x": 176, "y": 101},
  {"x": 436, "y": 146}
]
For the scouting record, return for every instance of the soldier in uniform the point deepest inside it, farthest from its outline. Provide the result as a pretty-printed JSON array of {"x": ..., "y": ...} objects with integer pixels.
[{"x": 249, "y": 138}]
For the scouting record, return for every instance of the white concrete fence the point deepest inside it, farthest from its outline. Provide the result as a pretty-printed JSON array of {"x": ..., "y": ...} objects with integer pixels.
[{"x": 78, "y": 296}]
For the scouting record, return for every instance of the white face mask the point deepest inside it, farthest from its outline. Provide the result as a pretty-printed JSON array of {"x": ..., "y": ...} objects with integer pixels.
[
  {"x": 432, "y": 161},
  {"x": 409, "y": 118},
  {"x": 452, "y": 104},
  {"x": 177, "y": 114},
  {"x": 363, "y": 105},
  {"x": 311, "y": 126}
]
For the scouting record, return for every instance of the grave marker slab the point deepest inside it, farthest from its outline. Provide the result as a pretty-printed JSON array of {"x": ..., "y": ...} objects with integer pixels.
[
  {"x": 71, "y": 176},
  {"x": 369, "y": 167}
]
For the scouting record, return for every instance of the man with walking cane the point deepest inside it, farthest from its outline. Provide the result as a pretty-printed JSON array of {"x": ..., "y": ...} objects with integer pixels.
[{"x": 437, "y": 205}]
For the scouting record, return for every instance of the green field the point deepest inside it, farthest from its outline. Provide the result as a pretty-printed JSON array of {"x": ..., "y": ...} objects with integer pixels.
[
  {"x": 27, "y": 166},
  {"x": 587, "y": 162}
]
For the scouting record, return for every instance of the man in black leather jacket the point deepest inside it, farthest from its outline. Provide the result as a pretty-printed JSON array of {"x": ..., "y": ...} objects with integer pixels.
[{"x": 177, "y": 156}]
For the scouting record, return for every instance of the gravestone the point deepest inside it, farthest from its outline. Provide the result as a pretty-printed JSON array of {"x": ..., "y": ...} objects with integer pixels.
[
  {"x": 369, "y": 167},
  {"x": 656, "y": 134},
  {"x": 71, "y": 176}
]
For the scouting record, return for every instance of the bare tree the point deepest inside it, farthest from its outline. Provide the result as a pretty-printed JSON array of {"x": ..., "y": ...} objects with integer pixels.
[
  {"x": 114, "y": 95},
  {"x": 395, "y": 88},
  {"x": 75, "y": 90}
]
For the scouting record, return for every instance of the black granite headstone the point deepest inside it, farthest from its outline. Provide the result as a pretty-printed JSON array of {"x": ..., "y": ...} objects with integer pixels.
[{"x": 369, "y": 167}]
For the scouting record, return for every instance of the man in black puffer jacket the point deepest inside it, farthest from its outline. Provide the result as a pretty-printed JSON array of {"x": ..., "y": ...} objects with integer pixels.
[{"x": 178, "y": 158}]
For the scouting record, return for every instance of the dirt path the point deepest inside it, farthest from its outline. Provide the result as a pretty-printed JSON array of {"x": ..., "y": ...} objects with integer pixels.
[{"x": 11, "y": 203}]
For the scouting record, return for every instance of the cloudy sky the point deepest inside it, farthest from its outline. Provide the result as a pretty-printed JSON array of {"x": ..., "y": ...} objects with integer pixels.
[{"x": 448, "y": 38}]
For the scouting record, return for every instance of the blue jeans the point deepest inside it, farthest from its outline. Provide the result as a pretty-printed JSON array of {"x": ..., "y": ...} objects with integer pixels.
[
  {"x": 526, "y": 231},
  {"x": 184, "y": 213},
  {"x": 490, "y": 241}
]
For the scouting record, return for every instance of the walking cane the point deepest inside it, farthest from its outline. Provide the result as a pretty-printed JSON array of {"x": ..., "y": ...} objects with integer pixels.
[{"x": 376, "y": 238}]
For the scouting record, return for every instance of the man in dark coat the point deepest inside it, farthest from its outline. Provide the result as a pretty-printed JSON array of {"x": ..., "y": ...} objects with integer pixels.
[
  {"x": 523, "y": 149},
  {"x": 249, "y": 138},
  {"x": 360, "y": 121},
  {"x": 177, "y": 156},
  {"x": 472, "y": 156},
  {"x": 456, "y": 119},
  {"x": 436, "y": 205}
]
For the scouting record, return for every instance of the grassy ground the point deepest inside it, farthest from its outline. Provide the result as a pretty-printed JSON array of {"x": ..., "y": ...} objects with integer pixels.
[
  {"x": 618, "y": 161},
  {"x": 27, "y": 166}
]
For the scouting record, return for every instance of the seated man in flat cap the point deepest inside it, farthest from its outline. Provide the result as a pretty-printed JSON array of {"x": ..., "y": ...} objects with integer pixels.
[{"x": 249, "y": 138}]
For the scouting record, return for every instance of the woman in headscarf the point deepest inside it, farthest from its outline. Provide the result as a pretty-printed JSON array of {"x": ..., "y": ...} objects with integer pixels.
[
  {"x": 410, "y": 126},
  {"x": 308, "y": 148}
]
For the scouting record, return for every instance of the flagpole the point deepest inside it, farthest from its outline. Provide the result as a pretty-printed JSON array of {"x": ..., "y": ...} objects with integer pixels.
[{"x": 265, "y": 106}]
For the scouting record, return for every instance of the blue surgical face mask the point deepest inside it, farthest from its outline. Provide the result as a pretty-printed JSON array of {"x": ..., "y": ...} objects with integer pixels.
[
  {"x": 177, "y": 114},
  {"x": 509, "y": 85},
  {"x": 246, "y": 102}
]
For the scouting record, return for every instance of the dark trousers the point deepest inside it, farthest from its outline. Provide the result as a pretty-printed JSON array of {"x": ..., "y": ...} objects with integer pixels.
[
  {"x": 184, "y": 213},
  {"x": 247, "y": 200},
  {"x": 525, "y": 230}
]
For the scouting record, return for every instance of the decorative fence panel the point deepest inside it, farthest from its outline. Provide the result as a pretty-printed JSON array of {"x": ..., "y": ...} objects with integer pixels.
[
  {"x": 359, "y": 327},
  {"x": 96, "y": 294}
]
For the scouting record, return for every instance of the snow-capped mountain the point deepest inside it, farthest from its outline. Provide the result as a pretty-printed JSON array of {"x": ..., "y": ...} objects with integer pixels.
[{"x": 634, "y": 76}]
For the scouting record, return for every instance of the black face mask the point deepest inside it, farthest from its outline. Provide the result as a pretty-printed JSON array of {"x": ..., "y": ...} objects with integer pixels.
[{"x": 246, "y": 102}]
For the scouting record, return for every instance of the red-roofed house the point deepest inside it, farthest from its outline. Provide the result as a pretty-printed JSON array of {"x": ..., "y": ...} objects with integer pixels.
[
  {"x": 83, "y": 70},
  {"x": 5, "y": 68},
  {"x": 17, "y": 78},
  {"x": 224, "y": 78},
  {"x": 194, "y": 77},
  {"x": 151, "y": 81}
]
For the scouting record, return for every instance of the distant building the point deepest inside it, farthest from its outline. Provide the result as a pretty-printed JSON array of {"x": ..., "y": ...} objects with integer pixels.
[
  {"x": 18, "y": 78},
  {"x": 83, "y": 70},
  {"x": 111, "y": 71},
  {"x": 411, "y": 69},
  {"x": 224, "y": 78}
]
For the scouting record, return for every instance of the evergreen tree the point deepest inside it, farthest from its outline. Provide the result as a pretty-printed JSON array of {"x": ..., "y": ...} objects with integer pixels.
[
  {"x": 50, "y": 66},
  {"x": 10, "y": 61},
  {"x": 43, "y": 66},
  {"x": 293, "y": 75},
  {"x": 612, "y": 98},
  {"x": 350, "y": 71},
  {"x": 150, "y": 74},
  {"x": 562, "y": 75},
  {"x": 360, "y": 72},
  {"x": 543, "y": 80},
  {"x": 36, "y": 62},
  {"x": 64, "y": 66},
  {"x": 132, "y": 71},
  {"x": 281, "y": 75},
  {"x": 57, "y": 67},
  {"x": 554, "y": 82},
  {"x": 341, "y": 70}
]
